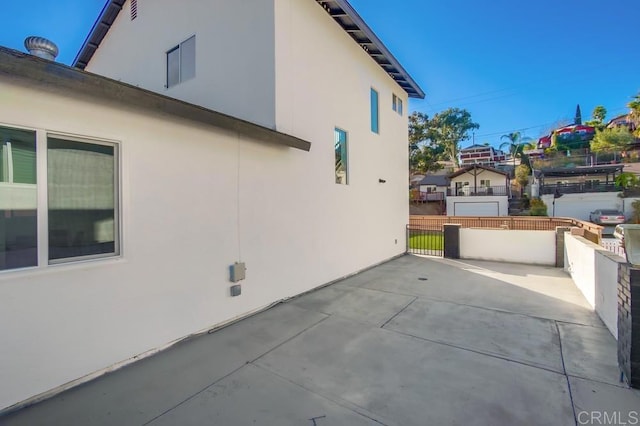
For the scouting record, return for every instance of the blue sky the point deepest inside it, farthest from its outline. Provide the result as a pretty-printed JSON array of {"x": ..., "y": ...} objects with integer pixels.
[{"x": 515, "y": 65}]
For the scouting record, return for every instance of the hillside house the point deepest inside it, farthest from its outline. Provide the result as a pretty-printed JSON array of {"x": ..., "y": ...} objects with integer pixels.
[
  {"x": 478, "y": 190},
  {"x": 481, "y": 154},
  {"x": 189, "y": 137}
]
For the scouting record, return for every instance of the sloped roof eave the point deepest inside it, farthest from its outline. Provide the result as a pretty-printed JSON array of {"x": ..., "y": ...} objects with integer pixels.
[{"x": 340, "y": 10}]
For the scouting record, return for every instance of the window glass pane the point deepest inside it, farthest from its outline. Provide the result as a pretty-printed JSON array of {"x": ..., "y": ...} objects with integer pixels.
[
  {"x": 394, "y": 103},
  {"x": 18, "y": 199},
  {"x": 173, "y": 67},
  {"x": 374, "y": 111},
  {"x": 82, "y": 199},
  {"x": 400, "y": 109},
  {"x": 341, "y": 156},
  {"x": 188, "y": 59}
]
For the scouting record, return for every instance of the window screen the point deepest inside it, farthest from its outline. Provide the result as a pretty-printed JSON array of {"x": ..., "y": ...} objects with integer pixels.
[{"x": 82, "y": 199}]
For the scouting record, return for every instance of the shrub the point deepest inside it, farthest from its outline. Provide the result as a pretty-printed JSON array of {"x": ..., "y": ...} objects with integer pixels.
[{"x": 538, "y": 207}]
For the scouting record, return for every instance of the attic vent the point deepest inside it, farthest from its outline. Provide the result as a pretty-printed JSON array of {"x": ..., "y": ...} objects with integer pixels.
[{"x": 134, "y": 9}]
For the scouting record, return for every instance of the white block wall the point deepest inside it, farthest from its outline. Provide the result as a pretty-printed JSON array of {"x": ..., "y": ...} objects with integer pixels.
[
  {"x": 595, "y": 272},
  {"x": 531, "y": 247}
]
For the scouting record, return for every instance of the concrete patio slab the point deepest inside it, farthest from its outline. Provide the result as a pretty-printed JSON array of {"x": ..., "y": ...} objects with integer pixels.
[
  {"x": 512, "y": 288},
  {"x": 254, "y": 396},
  {"x": 590, "y": 352},
  {"x": 138, "y": 393},
  {"x": 411, "y": 342},
  {"x": 594, "y": 399},
  {"x": 521, "y": 338},
  {"x": 359, "y": 304},
  {"x": 416, "y": 382}
]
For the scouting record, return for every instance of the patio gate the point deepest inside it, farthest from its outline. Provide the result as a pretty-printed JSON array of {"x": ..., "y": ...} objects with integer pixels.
[{"x": 421, "y": 240}]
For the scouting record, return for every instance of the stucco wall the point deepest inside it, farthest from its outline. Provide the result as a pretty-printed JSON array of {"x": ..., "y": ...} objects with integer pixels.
[
  {"x": 531, "y": 247},
  {"x": 194, "y": 200},
  {"x": 595, "y": 272},
  {"x": 579, "y": 206},
  {"x": 235, "y": 71}
]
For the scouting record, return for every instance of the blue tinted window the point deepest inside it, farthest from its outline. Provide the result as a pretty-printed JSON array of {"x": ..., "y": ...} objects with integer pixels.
[{"x": 375, "y": 127}]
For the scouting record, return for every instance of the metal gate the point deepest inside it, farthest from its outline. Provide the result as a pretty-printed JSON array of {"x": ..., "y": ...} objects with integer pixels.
[{"x": 425, "y": 241}]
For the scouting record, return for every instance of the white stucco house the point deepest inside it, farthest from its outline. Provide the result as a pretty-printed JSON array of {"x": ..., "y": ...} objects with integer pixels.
[
  {"x": 184, "y": 140},
  {"x": 478, "y": 190}
]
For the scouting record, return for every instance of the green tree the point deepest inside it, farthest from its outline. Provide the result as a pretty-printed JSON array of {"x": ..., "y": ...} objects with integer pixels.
[
  {"x": 450, "y": 127},
  {"x": 597, "y": 117},
  {"x": 538, "y": 207},
  {"x": 627, "y": 180},
  {"x": 423, "y": 153},
  {"x": 522, "y": 175},
  {"x": 611, "y": 140},
  {"x": 634, "y": 105},
  {"x": 515, "y": 145}
]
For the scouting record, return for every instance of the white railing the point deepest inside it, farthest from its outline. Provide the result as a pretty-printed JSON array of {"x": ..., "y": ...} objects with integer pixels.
[{"x": 613, "y": 245}]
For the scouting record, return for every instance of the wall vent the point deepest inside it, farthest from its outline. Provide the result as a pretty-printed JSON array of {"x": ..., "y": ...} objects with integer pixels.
[{"x": 134, "y": 9}]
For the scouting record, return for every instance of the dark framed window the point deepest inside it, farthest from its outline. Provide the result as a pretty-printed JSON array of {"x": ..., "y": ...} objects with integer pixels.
[
  {"x": 181, "y": 62},
  {"x": 342, "y": 159},
  {"x": 375, "y": 112}
]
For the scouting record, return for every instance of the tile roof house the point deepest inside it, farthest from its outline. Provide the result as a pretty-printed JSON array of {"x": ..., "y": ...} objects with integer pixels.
[{"x": 171, "y": 154}]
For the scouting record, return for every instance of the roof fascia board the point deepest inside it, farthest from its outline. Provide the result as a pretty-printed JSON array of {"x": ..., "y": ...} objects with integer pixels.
[
  {"x": 357, "y": 19},
  {"x": 91, "y": 42},
  {"x": 58, "y": 78}
]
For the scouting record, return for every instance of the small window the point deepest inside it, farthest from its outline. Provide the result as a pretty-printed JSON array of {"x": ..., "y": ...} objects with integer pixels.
[
  {"x": 396, "y": 104},
  {"x": 484, "y": 182},
  {"x": 375, "y": 115},
  {"x": 342, "y": 166},
  {"x": 181, "y": 62}
]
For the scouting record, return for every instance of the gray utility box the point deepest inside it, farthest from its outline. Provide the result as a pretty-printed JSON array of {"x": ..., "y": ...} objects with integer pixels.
[{"x": 237, "y": 272}]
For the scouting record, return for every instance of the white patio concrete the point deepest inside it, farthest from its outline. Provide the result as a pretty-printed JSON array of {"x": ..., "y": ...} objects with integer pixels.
[{"x": 414, "y": 341}]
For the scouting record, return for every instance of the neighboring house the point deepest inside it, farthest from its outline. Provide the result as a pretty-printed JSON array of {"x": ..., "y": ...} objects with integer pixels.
[
  {"x": 623, "y": 120},
  {"x": 580, "y": 179},
  {"x": 577, "y": 191},
  {"x": 478, "y": 190},
  {"x": 280, "y": 142},
  {"x": 433, "y": 187},
  {"x": 577, "y": 134},
  {"x": 481, "y": 154},
  {"x": 414, "y": 180}
]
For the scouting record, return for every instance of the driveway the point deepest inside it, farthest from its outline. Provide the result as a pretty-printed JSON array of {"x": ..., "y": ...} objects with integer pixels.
[{"x": 415, "y": 341}]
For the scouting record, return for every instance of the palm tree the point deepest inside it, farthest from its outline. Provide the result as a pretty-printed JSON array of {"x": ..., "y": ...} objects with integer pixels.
[
  {"x": 515, "y": 144},
  {"x": 634, "y": 105}
]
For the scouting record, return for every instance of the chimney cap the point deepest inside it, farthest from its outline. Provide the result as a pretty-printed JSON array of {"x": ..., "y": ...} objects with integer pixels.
[{"x": 41, "y": 47}]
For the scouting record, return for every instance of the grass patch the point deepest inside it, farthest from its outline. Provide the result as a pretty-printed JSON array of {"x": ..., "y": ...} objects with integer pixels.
[{"x": 426, "y": 241}]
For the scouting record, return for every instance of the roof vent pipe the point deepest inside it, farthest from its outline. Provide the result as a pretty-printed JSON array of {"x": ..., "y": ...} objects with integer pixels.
[{"x": 41, "y": 47}]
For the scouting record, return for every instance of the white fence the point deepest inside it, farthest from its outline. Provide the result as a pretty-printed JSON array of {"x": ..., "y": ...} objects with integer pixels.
[{"x": 613, "y": 245}]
